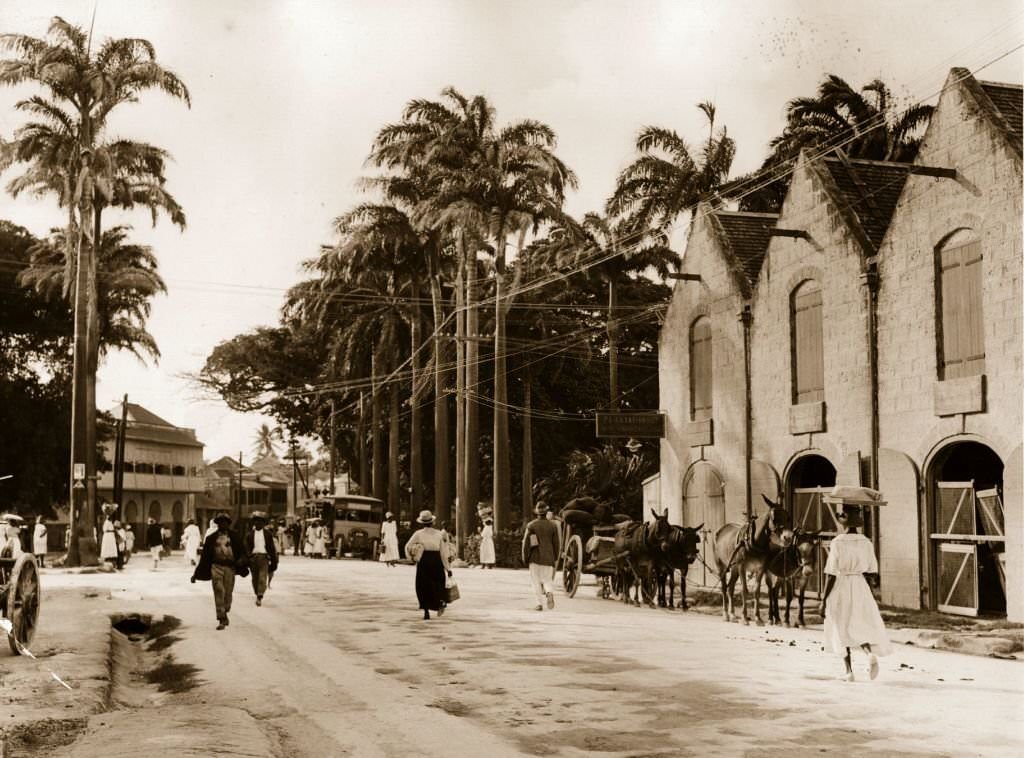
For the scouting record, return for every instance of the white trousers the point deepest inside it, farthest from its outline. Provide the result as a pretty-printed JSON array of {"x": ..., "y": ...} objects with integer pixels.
[{"x": 543, "y": 579}]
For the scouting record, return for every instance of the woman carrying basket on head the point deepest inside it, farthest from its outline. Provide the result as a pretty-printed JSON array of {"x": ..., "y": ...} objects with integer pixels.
[{"x": 429, "y": 548}]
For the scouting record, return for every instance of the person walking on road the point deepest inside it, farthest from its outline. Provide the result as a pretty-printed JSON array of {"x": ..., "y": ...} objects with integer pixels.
[
  {"x": 851, "y": 614},
  {"x": 319, "y": 547},
  {"x": 389, "y": 539},
  {"x": 191, "y": 540},
  {"x": 129, "y": 542},
  {"x": 39, "y": 541},
  {"x": 541, "y": 544},
  {"x": 154, "y": 541},
  {"x": 487, "y": 544},
  {"x": 262, "y": 552},
  {"x": 429, "y": 549},
  {"x": 296, "y": 532},
  {"x": 223, "y": 556}
]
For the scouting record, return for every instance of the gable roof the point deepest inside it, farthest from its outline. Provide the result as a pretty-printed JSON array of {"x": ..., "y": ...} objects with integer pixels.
[
  {"x": 1007, "y": 99},
  {"x": 999, "y": 103},
  {"x": 870, "y": 189},
  {"x": 146, "y": 426},
  {"x": 747, "y": 236}
]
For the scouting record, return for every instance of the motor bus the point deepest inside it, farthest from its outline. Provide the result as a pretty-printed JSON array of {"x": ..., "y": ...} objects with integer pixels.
[{"x": 352, "y": 522}]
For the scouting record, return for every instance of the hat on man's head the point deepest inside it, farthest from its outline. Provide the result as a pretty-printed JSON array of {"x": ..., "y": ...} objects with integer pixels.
[
  {"x": 222, "y": 518},
  {"x": 389, "y": 514},
  {"x": 258, "y": 516},
  {"x": 540, "y": 508},
  {"x": 426, "y": 517}
]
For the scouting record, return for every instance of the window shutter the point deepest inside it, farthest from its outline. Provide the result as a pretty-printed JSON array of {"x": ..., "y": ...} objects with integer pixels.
[
  {"x": 808, "y": 350},
  {"x": 700, "y": 369},
  {"x": 963, "y": 326}
]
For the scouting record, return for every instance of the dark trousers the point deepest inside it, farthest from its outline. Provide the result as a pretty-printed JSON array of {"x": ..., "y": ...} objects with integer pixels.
[{"x": 259, "y": 569}]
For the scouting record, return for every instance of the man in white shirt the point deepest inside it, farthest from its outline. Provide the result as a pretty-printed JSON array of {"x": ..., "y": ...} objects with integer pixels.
[{"x": 259, "y": 544}]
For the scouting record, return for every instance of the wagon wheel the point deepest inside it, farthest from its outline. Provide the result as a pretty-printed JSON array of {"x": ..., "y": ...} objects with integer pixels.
[
  {"x": 572, "y": 566},
  {"x": 23, "y": 599}
]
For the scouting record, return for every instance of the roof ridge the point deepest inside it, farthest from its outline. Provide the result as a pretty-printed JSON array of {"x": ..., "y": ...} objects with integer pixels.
[
  {"x": 871, "y": 161},
  {"x": 1008, "y": 85},
  {"x": 751, "y": 214}
]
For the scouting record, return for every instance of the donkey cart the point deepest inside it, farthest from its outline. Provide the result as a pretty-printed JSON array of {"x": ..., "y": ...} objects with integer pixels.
[
  {"x": 19, "y": 600},
  {"x": 588, "y": 547}
]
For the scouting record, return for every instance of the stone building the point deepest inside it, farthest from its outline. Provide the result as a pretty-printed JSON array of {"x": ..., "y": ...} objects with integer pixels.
[
  {"x": 870, "y": 333},
  {"x": 163, "y": 472}
]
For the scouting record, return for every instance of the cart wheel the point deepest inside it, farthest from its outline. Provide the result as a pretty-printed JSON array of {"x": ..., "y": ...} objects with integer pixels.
[
  {"x": 23, "y": 598},
  {"x": 572, "y": 566}
]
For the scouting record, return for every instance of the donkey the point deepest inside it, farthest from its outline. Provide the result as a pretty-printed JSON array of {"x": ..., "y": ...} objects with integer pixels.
[
  {"x": 741, "y": 548},
  {"x": 637, "y": 546},
  {"x": 681, "y": 549},
  {"x": 791, "y": 565}
]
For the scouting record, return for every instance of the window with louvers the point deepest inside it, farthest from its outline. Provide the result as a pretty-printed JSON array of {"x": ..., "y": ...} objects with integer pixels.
[
  {"x": 807, "y": 349},
  {"x": 700, "y": 369},
  {"x": 961, "y": 326}
]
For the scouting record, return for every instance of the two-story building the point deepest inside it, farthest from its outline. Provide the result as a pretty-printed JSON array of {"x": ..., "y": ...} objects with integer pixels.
[
  {"x": 869, "y": 333},
  {"x": 163, "y": 472}
]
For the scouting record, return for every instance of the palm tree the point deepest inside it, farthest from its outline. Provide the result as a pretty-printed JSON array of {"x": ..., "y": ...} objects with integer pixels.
[
  {"x": 126, "y": 282},
  {"x": 266, "y": 436},
  {"x": 82, "y": 88},
  {"x": 667, "y": 179},
  {"x": 864, "y": 124}
]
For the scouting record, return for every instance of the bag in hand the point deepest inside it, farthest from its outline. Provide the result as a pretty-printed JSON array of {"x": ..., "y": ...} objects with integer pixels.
[{"x": 451, "y": 591}]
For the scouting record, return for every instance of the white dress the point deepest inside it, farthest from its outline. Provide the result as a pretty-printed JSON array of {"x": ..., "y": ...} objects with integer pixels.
[
  {"x": 852, "y": 618},
  {"x": 319, "y": 545},
  {"x": 487, "y": 545},
  {"x": 389, "y": 541},
  {"x": 192, "y": 541},
  {"x": 39, "y": 540},
  {"x": 108, "y": 547}
]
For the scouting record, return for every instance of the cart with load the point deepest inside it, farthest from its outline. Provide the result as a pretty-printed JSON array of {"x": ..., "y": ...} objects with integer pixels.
[
  {"x": 19, "y": 588},
  {"x": 588, "y": 545}
]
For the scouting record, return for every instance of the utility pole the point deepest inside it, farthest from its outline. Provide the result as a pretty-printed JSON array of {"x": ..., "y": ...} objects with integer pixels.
[
  {"x": 471, "y": 456},
  {"x": 119, "y": 441},
  {"x": 238, "y": 510},
  {"x": 460, "y": 391},
  {"x": 332, "y": 446}
]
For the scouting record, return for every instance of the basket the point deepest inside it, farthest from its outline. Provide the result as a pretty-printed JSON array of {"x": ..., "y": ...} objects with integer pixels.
[{"x": 451, "y": 591}]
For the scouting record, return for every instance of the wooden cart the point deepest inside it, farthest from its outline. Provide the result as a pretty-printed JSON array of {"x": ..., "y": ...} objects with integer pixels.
[{"x": 20, "y": 599}]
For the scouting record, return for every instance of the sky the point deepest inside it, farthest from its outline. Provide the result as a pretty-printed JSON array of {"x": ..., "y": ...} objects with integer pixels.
[{"x": 287, "y": 96}]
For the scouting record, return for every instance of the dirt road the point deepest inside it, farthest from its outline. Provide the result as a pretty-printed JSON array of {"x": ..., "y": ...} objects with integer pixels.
[{"x": 337, "y": 662}]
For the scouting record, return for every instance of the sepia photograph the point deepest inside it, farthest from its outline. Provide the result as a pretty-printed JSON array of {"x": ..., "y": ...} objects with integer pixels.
[{"x": 497, "y": 378}]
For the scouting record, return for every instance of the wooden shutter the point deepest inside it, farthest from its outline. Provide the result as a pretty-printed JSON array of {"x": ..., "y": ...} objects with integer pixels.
[
  {"x": 962, "y": 327},
  {"x": 700, "y": 369},
  {"x": 808, "y": 352}
]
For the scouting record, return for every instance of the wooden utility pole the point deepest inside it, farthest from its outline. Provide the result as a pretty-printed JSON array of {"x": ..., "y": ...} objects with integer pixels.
[
  {"x": 332, "y": 446},
  {"x": 119, "y": 441},
  {"x": 238, "y": 509},
  {"x": 460, "y": 390},
  {"x": 527, "y": 480},
  {"x": 364, "y": 461},
  {"x": 471, "y": 456}
]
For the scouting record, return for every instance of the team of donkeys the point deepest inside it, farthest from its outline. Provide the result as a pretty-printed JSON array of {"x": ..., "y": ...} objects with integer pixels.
[{"x": 648, "y": 554}]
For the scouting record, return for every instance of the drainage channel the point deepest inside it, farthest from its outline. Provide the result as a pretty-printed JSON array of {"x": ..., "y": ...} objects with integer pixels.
[{"x": 141, "y": 671}]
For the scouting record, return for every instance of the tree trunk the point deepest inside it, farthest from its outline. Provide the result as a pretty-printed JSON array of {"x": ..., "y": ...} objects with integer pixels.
[
  {"x": 613, "y": 344},
  {"x": 442, "y": 487},
  {"x": 527, "y": 447},
  {"x": 502, "y": 475},
  {"x": 472, "y": 455},
  {"x": 415, "y": 413},
  {"x": 394, "y": 467},
  {"x": 376, "y": 430},
  {"x": 460, "y": 391}
]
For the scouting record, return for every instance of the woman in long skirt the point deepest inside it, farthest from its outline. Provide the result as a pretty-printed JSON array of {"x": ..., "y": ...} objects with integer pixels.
[
  {"x": 389, "y": 540},
  {"x": 192, "y": 541},
  {"x": 487, "y": 544},
  {"x": 429, "y": 548},
  {"x": 851, "y": 614},
  {"x": 108, "y": 544}
]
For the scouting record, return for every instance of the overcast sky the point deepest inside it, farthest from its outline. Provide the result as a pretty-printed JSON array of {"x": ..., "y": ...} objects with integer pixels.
[{"x": 287, "y": 95}]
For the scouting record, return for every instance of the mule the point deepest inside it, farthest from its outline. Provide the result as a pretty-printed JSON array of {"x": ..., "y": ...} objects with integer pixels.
[
  {"x": 636, "y": 549},
  {"x": 789, "y": 567},
  {"x": 742, "y": 548},
  {"x": 681, "y": 549}
]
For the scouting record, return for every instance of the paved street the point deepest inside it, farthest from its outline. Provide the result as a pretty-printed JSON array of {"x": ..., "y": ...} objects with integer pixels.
[{"x": 338, "y": 662}]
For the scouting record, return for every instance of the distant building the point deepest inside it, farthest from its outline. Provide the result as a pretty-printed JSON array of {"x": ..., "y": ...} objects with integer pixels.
[
  {"x": 870, "y": 333},
  {"x": 163, "y": 472},
  {"x": 262, "y": 487}
]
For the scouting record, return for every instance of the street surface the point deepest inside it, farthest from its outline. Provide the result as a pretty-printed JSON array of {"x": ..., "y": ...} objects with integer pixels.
[{"x": 338, "y": 662}]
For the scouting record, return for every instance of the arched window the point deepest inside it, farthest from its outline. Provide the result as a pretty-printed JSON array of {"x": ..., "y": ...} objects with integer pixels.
[
  {"x": 961, "y": 326},
  {"x": 700, "y": 369},
  {"x": 808, "y": 355}
]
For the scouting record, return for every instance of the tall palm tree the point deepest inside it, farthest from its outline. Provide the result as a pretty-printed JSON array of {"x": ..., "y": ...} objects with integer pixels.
[
  {"x": 265, "y": 441},
  {"x": 83, "y": 86},
  {"x": 667, "y": 179},
  {"x": 864, "y": 123}
]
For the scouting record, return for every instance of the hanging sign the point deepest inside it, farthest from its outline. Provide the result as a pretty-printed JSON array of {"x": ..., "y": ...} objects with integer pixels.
[{"x": 638, "y": 424}]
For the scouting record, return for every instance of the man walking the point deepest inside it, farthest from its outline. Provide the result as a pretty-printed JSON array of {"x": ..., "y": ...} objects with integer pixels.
[
  {"x": 541, "y": 546},
  {"x": 223, "y": 556},
  {"x": 259, "y": 545},
  {"x": 154, "y": 541}
]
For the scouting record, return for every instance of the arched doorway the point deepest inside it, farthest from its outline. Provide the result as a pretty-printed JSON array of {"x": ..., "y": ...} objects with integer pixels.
[
  {"x": 154, "y": 511},
  {"x": 178, "y": 525},
  {"x": 810, "y": 477},
  {"x": 704, "y": 503},
  {"x": 132, "y": 519},
  {"x": 966, "y": 539}
]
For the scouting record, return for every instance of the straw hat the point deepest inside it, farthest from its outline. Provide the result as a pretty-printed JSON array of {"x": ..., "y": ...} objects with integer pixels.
[
  {"x": 426, "y": 517},
  {"x": 258, "y": 515}
]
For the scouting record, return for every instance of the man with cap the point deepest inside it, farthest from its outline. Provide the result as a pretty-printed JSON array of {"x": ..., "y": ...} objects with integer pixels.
[
  {"x": 541, "y": 546},
  {"x": 222, "y": 557},
  {"x": 262, "y": 552},
  {"x": 154, "y": 541},
  {"x": 389, "y": 540}
]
